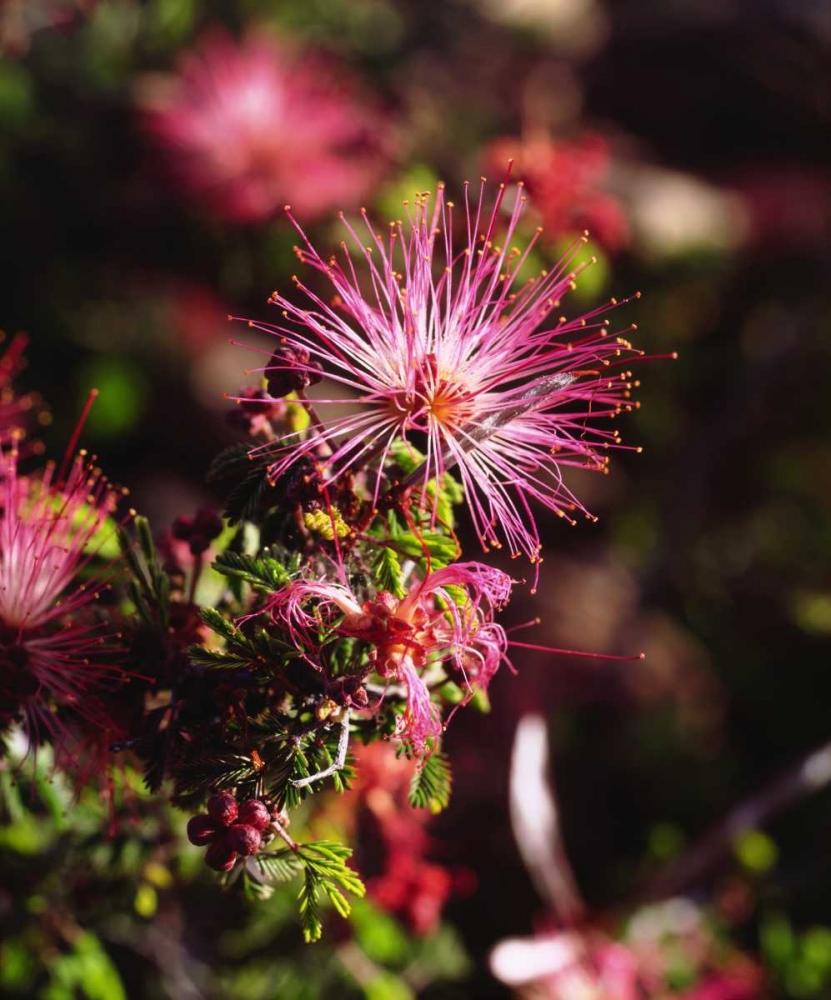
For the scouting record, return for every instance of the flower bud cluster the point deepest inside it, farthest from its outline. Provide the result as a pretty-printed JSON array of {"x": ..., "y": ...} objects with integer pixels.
[{"x": 230, "y": 829}]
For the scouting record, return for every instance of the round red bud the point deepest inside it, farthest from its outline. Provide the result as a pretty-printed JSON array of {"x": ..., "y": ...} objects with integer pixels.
[
  {"x": 222, "y": 808},
  {"x": 220, "y": 855},
  {"x": 254, "y": 813},
  {"x": 244, "y": 839},
  {"x": 201, "y": 830}
]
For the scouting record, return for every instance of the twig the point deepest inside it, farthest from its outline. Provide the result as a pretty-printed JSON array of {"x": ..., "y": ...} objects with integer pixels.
[{"x": 811, "y": 774}]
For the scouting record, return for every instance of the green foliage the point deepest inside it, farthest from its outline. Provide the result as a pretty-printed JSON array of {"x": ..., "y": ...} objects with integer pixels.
[
  {"x": 422, "y": 545},
  {"x": 756, "y": 851},
  {"x": 149, "y": 586},
  {"x": 451, "y": 493},
  {"x": 431, "y": 783},
  {"x": 219, "y": 765},
  {"x": 258, "y": 649},
  {"x": 264, "y": 573},
  {"x": 279, "y": 866},
  {"x": 326, "y": 871},
  {"x": 386, "y": 571},
  {"x": 249, "y": 497},
  {"x": 86, "y": 970},
  {"x": 801, "y": 962}
]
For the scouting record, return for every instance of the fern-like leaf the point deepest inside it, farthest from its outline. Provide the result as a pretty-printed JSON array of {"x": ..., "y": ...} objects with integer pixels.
[{"x": 431, "y": 784}]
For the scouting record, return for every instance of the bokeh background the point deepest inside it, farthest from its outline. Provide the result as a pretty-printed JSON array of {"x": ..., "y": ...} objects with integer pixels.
[{"x": 147, "y": 148}]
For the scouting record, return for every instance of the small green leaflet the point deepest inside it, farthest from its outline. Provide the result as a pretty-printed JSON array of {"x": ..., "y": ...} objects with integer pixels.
[
  {"x": 386, "y": 568},
  {"x": 431, "y": 784}
]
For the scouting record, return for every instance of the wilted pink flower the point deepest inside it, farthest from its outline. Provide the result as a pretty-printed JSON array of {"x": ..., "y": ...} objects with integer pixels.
[
  {"x": 431, "y": 625},
  {"x": 54, "y": 653},
  {"x": 449, "y": 346},
  {"x": 252, "y": 124},
  {"x": 564, "y": 178}
]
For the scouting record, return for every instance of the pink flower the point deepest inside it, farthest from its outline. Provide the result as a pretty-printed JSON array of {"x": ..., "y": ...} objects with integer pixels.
[
  {"x": 252, "y": 124},
  {"x": 55, "y": 652},
  {"x": 564, "y": 178},
  {"x": 448, "y": 347},
  {"x": 432, "y": 625}
]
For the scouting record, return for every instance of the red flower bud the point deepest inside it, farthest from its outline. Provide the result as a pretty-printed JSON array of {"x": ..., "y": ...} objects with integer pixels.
[
  {"x": 254, "y": 813},
  {"x": 244, "y": 839},
  {"x": 223, "y": 808},
  {"x": 220, "y": 856},
  {"x": 201, "y": 830}
]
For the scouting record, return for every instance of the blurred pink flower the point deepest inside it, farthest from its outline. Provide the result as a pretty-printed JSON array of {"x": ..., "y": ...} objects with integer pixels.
[
  {"x": 431, "y": 625},
  {"x": 578, "y": 959},
  {"x": 568, "y": 965},
  {"x": 741, "y": 979},
  {"x": 55, "y": 654},
  {"x": 448, "y": 344},
  {"x": 565, "y": 178},
  {"x": 253, "y": 124},
  {"x": 394, "y": 847}
]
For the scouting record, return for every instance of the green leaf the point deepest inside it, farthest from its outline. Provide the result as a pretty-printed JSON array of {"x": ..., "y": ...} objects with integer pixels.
[
  {"x": 386, "y": 568},
  {"x": 145, "y": 537},
  {"x": 230, "y": 463},
  {"x": 310, "y": 908},
  {"x": 217, "y": 623},
  {"x": 214, "y": 767},
  {"x": 432, "y": 783},
  {"x": 282, "y": 866},
  {"x": 263, "y": 572},
  {"x": 338, "y": 900},
  {"x": 442, "y": 548},
  {"x": 218, "y": 660},
  {"x": 326, "y": 871}
]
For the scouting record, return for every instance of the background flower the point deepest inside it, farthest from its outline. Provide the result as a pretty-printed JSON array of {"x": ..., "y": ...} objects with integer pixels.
[{"x": 250, "y": 125}]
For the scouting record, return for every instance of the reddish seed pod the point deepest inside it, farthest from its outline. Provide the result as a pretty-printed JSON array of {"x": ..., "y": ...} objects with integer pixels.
[
  {"x": 244, "y": 839},
  {"x": 220, "y": 855},
  {"x": 201, "y": 830},
  {"x": 223, "y": 808},
  {"x": 254, "y": 813}
]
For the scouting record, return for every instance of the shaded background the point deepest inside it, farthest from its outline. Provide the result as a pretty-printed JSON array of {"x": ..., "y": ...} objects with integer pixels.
[{"x": 692, "y": 139}]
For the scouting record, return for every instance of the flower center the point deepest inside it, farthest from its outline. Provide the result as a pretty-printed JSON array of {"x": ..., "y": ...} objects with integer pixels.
[{"x": 433, "y": 395}]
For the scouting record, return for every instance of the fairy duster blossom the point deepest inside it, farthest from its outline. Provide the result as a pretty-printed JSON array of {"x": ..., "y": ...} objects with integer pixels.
[
  {"x": 251, "y": 124},
  {"x": 53, "y": 653},
  {"x": 443, "y": 342},
  {"x": 432, "y": 624}
]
